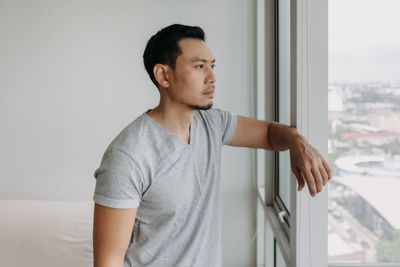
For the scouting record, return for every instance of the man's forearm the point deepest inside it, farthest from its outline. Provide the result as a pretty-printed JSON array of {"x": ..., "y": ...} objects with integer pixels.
[{"x": 281, "y": 137}]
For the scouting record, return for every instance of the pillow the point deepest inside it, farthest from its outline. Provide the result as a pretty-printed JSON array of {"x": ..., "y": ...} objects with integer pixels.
[{"x": 39, "y": 233}]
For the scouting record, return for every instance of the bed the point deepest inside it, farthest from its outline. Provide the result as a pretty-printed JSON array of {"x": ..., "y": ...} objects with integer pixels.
[{"x": 39, "y": 233}]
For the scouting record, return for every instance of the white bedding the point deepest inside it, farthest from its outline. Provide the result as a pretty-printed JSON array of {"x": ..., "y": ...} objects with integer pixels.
[{"x": 45, "y": 233}]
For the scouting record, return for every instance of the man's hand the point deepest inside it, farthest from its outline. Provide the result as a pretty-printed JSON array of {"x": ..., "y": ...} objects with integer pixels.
[{"x": 308, "y": 165}]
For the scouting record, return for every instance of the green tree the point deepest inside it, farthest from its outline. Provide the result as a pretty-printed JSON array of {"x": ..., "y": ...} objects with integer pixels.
[{"x": 393, "y": 147}]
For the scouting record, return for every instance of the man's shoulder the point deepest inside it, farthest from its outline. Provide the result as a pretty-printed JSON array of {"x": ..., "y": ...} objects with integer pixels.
[
  {"x": 143, "y": 140},
  {"x": 132, "y": 136}
]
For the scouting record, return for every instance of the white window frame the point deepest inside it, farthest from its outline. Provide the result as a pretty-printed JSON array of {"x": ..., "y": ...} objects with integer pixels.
[{"x": 306, "y": 245}]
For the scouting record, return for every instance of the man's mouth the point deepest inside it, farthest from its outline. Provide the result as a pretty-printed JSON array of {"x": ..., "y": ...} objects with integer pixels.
[{"x": 209, "y": 92}]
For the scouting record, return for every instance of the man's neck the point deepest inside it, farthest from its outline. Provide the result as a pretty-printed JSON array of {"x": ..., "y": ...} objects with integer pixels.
[{"x": 176, "y": 120}]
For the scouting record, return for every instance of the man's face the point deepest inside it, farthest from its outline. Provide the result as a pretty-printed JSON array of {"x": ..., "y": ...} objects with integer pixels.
[{"x": 193, "y": 80}]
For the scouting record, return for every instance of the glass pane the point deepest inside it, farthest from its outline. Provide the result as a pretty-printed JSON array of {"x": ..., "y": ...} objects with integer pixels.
[
  {"x": 284, "y": 94},
  {"x": 279, "y": 261},
  {"x": 364, "y": 139}
]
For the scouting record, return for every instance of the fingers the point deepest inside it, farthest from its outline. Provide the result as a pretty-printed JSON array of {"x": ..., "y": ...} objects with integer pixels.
[
  {"x": 327, "y": 168},
  {"x": 300, "y": 179},
  {"x": 312, "y": 188},
  {"x": 301, "y": 182},
  {"x": 314, "y": 177},
  {"x": 305, "y": 176},
  {"x": 310, "y": 168},
  {"x": 318, "y": 180},
  {"x": 324, "y": 174}
]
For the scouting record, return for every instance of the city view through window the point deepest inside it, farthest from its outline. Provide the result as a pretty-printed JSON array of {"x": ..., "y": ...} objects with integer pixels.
[{"x": 364, "y": 131}]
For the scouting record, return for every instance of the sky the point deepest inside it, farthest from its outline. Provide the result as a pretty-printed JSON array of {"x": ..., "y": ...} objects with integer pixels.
[{"x": 364, "y": 40}]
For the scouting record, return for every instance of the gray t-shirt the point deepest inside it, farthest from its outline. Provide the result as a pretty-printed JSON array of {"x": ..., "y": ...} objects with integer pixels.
[{"x": 174, "y": 186}]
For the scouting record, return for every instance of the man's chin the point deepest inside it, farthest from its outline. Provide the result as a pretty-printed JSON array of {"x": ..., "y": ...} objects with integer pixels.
[{"x": 207, "y": 107}]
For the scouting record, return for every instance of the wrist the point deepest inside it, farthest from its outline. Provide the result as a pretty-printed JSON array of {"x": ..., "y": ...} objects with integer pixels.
[{"x": 294, "y": 137}]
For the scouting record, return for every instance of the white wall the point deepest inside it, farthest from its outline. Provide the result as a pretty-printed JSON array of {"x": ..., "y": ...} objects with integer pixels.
[{"x": 71, "y": 77}]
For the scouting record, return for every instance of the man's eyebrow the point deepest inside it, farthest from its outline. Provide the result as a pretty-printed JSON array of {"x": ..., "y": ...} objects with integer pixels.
[{"x": 203, "y": 60}]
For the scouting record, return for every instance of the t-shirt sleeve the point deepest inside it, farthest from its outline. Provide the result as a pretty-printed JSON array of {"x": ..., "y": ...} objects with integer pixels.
[
  {"x": 119, "y": 182},
  {"x": 226, "y": 124}
]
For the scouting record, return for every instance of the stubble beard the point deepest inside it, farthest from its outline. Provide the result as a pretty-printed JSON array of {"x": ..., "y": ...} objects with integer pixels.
[{"x": 206, "y": 107}]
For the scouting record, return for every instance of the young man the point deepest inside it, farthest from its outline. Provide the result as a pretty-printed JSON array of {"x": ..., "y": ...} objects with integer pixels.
[{"x": 157, "y": 188}]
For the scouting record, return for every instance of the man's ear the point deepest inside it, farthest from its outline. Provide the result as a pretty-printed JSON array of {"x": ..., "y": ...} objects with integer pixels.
[{"x": 160, "y": 73}]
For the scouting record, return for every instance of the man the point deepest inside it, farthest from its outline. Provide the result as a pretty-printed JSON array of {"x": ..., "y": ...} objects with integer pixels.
[{"x": 157, "y": 188}]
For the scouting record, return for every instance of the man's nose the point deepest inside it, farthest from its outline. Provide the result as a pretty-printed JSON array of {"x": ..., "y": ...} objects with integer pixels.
[{"x": 211, "y": 78}]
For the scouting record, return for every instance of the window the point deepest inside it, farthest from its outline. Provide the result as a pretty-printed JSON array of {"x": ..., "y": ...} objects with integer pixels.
[
  {"x": 278, "y": 258},
  {"x": 285, "y": 216},
  {"x": 363, "y": 143},
  {"x": 364, "y": 132},
  {"x": 282, "y": 113}
]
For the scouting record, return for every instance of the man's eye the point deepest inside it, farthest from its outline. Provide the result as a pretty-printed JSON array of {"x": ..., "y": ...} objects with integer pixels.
[
  {"x": 213, "y": 66},
  {"x": 200, "y": 66}
]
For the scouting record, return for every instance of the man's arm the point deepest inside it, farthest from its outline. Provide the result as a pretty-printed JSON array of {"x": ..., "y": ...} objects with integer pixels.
[
  {"x": 307, "y": 163},
  {"x": 112, "y": 230}
]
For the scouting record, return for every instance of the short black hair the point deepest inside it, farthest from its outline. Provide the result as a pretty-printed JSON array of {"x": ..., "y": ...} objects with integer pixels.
[{"x": 163, "y": 47}]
